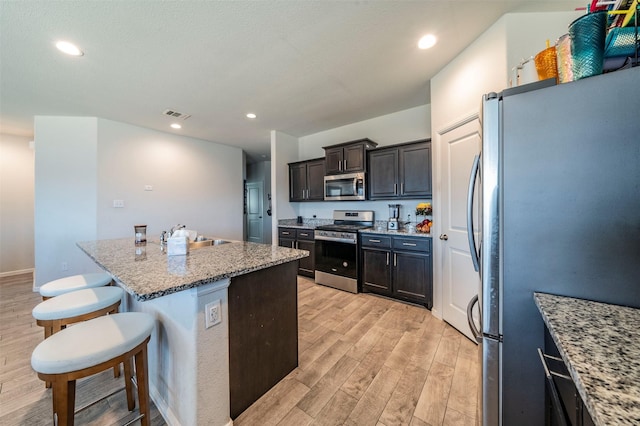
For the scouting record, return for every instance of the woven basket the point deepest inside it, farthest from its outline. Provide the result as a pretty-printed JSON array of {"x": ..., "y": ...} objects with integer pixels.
[
  {"x": 587, "y": 44},
  {"x": 546, "y": 64}
]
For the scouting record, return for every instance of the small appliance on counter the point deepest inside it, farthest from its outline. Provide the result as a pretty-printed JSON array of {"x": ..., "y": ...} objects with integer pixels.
[{"x": 394, "y": 216}]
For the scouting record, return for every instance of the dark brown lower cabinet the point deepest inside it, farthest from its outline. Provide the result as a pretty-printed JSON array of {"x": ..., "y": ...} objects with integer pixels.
[
  {"x": 263, "y": 332},
  {"x": 563, "y": 404},
  {"x": 303, "y": 239},
  {"x": 398, "y": 266}
]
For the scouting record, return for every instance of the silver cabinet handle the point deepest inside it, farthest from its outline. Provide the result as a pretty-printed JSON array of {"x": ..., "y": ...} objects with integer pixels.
[
  {"x": 409, "y": 244},
  {"x": 475, "y": 257},
  {"x": 285, "y": 233},
  {"x": 444, "y": 237},
  {"x": 395, "y": 259},
  {"x": 373, "y": 241},
  {"x": 345, "y": 165},
  {"x": 401, "y": 188},
  {"x": 395, "y": 188},
  {"x": 553, "y": 389},
  {"x": 387, "y": 258},
  {"x": 304, "y": 234}
]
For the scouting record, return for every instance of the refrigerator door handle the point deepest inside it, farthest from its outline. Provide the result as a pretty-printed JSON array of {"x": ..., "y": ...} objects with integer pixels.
[
  {"x": 472, "y": 325},
  {"x": 475, "y": 257}
]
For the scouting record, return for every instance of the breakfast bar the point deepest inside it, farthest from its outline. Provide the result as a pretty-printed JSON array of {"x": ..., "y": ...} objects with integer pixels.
[{"x": 207, "y": 369}]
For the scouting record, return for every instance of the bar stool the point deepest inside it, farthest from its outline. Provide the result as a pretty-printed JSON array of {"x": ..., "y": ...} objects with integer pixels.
[
  {"x": 56, "y": 313},
  {"x": 73, "y": 283},
  {"x": 90, "y": 347}
]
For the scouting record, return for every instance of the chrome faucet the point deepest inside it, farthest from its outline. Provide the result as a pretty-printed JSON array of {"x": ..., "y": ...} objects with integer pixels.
[{"x": 175, "y": 228}]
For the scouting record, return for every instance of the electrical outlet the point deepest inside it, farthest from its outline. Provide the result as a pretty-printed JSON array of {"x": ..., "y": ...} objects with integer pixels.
[
  {"x": 64, "y": 266},
  {"x": 212, "y": 314},
  {"x": 148, "y": 187},
  {"x": 118, "y": 204}
]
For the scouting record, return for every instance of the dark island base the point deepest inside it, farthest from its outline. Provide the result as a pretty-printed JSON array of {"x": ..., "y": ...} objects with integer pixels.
[{"x": 263, "y": 332}]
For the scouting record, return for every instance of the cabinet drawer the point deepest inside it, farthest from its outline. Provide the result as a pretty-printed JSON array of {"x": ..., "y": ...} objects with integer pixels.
[
  {"x": 305, "y": 234},
  {"x": 287, "y": 232},
  {"x": 412, "y": 244},
  {"x": 369, "y": 240}
]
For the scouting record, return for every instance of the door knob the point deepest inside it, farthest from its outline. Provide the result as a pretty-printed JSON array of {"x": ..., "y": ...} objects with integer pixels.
[
  {"x": 444, "y": 237},
  {"x": 259, "y": 217}
]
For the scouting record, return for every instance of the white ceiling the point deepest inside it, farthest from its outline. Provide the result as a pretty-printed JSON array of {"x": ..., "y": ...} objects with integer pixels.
[{"x": 301, "y": 66}]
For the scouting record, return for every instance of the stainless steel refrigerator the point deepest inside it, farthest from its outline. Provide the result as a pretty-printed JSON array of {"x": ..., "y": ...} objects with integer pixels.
[{"x": 558, "y": 196}]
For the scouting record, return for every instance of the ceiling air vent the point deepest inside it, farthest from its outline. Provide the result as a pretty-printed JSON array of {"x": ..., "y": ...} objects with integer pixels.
[{"x": 176, "y": 114}]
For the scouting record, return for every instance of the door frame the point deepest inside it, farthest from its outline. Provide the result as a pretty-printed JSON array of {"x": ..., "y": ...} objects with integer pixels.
[{"x": 438, "y": 259}]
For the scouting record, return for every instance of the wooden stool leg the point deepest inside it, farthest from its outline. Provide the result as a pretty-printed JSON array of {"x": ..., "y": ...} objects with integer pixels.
[
  {"x": 116, "y": 369},
  {"x": 131, "y": 399},
  {"x": 64, "y": 401},
  {"x": 142, "y": 375}
]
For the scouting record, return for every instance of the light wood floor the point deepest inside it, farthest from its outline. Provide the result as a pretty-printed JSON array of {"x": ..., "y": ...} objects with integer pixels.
[{"x": 364, "y": 360}]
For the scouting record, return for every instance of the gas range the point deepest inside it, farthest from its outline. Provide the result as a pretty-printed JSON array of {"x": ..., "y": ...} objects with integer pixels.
[
  {"x": 337, "y": 249},
  {"x": 345, "y": 227}
]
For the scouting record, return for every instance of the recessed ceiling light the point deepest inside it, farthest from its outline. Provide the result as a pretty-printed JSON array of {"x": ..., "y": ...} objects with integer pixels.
[
  {"x": 176, "y": 126},
  {"x": 251, "y": 115},
  {"x": 427, "y": 41},
  {"x": 69, "y": 48}
]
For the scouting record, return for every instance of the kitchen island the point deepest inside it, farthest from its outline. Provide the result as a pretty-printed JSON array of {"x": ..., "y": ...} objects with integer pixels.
[
  {"x": 600, "y": 346},
  {"x": 209, "y": 373}
]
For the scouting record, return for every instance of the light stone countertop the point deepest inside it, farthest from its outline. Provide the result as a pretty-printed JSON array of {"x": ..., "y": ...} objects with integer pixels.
[
  {"x": 600, "y": 345},
  {"x": 147, "y": 272}
]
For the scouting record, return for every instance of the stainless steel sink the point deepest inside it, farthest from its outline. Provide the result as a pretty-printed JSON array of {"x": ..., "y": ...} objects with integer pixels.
[{"x": 207, "y": 242}]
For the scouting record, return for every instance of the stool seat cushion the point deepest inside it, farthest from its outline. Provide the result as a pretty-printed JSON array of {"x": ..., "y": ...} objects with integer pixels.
[
  {"x": 76, "y": 303},
  {"x": 74, "y": 282},
  {"x": 91, "y": 342}
]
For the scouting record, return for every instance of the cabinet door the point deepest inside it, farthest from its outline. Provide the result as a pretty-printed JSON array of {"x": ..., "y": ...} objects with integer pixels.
[
  {"x": 315, "y": 180},
  {"x": 412, "y": 277},
  {"x": 307, "y": 264},
  {"x": 376, "y": 271},
  {"x": 383, "y": 174},
  {"x": 353, "y": 158},
  {"x": 415, "y": 171},
  {"x": 333, "y": 158},
  {"x": 297, "y": 181},
  {"x": 287, "y": 242}
]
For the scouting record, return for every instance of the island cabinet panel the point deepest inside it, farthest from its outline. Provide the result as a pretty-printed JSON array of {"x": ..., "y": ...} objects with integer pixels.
[
  {"x": 398, "y": 266},
  {"x": 263, "y": 332}
]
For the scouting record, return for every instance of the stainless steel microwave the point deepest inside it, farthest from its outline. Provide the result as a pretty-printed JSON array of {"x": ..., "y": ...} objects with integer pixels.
[{"x": 347, "y": 187}]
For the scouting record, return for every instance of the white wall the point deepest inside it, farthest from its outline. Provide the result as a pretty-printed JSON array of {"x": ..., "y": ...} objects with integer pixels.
[
  {"x": 65, "y": 195},
  {"x": 284, "y": 150},
  {"x": 83, "y": 164},
  {"x": 402, "y": 126},
  {"x": 484, "y": 66},
  {"x": 16, "y": 205},
  {"x": 195, "y": 183}
]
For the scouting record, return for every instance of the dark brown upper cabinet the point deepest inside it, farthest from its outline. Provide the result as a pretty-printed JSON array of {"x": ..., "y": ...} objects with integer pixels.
[
  {"x": 348, "y": 157},
  {"x": 400, "y": 171},
  {"x": 306, "y": 180}
]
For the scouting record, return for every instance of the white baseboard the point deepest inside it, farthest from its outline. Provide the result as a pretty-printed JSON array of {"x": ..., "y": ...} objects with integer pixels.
[{"x": 18, "y": 272}]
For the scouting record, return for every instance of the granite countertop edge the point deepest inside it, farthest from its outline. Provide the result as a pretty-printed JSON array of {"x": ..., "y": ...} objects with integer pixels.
[
  {"x": 230, "y": 273},
  {"x": 598, "y": 385}
]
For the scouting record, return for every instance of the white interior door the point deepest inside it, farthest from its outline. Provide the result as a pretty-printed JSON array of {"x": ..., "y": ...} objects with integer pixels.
[
  {"x": 460, "y": 282},
  {"x": 255, "y": 232}
]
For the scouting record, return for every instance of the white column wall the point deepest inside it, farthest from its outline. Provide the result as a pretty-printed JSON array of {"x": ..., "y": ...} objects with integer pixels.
[
  {"x": 65, "y": 195},
  {"x": 284, "y": 150},
  {"x": 16, "y": 205}
]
